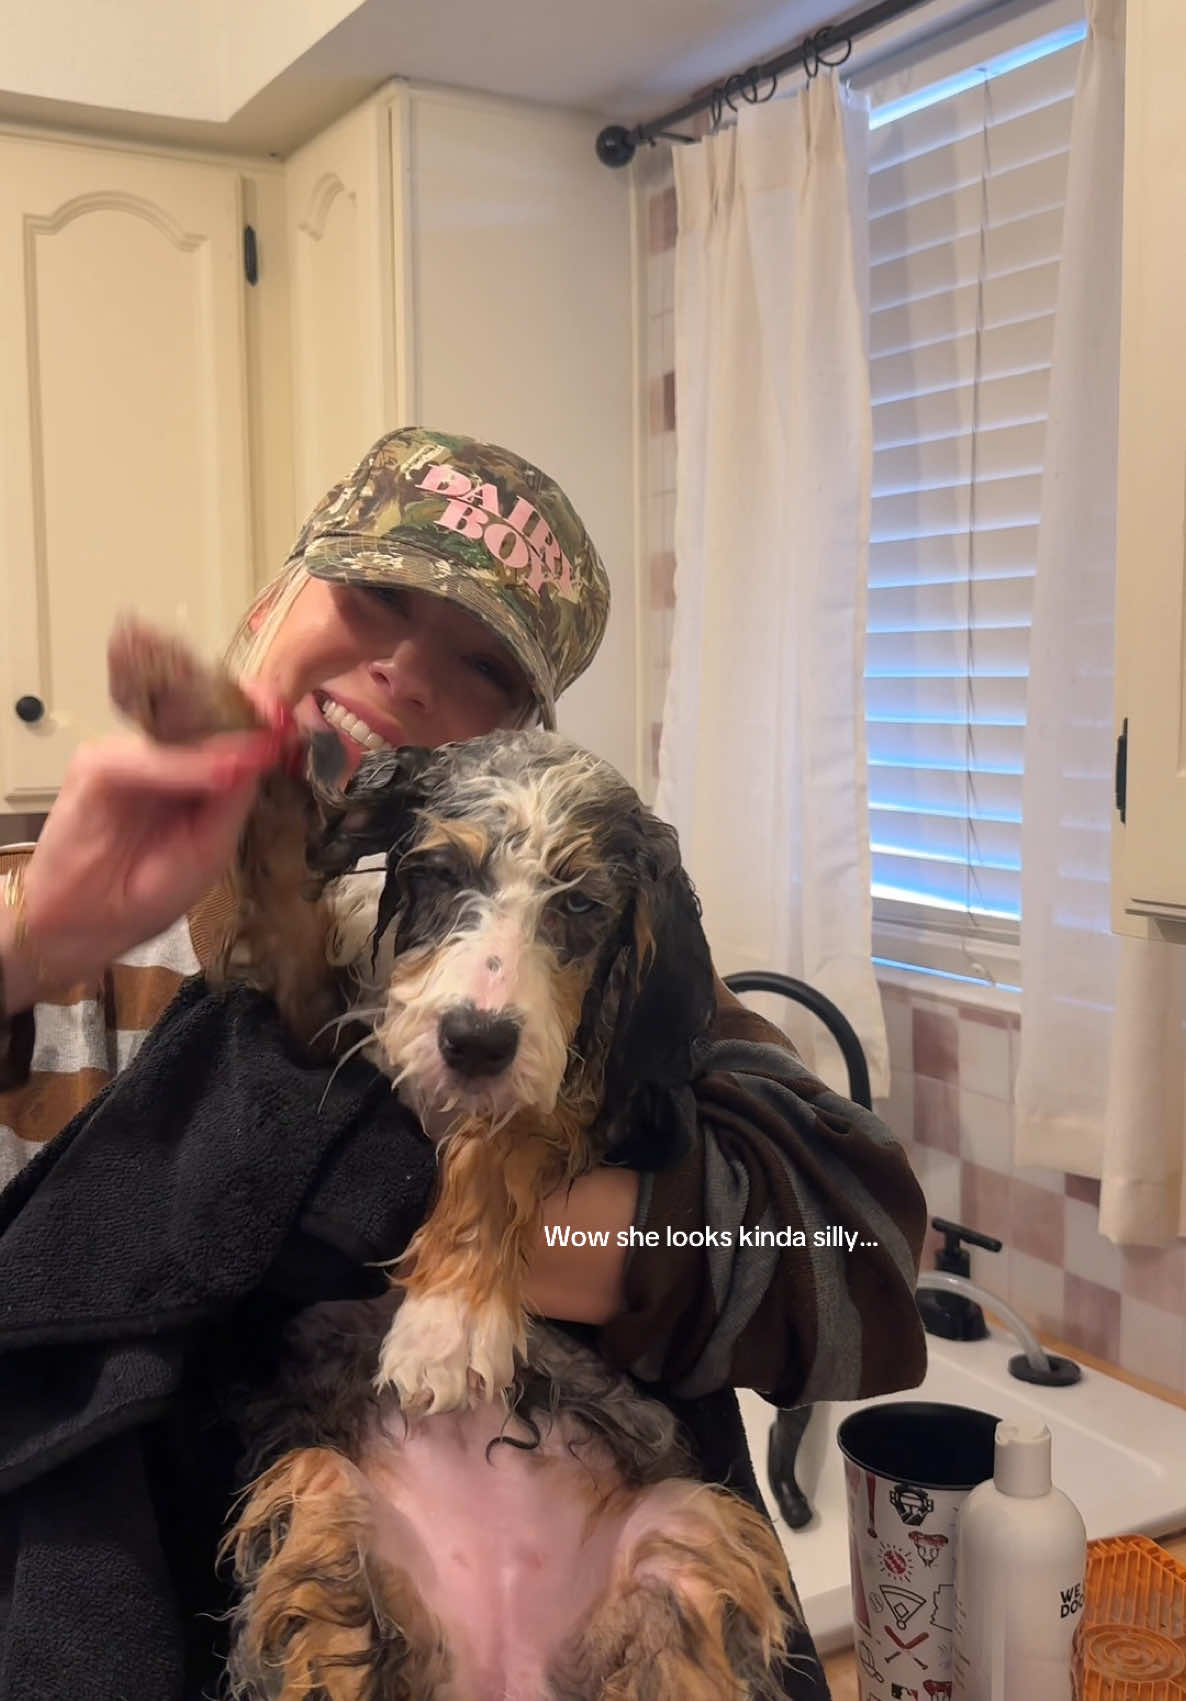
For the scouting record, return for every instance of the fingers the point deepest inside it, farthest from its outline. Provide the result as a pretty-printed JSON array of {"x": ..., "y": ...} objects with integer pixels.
[{"x": 271, "y": 707}]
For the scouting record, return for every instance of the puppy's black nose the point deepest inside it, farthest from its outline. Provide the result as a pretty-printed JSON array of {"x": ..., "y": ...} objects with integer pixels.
[{"x": 477, "y": 1042}]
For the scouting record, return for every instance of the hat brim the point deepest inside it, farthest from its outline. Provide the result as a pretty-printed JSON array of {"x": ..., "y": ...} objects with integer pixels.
[{"x": 346, "y": 560}]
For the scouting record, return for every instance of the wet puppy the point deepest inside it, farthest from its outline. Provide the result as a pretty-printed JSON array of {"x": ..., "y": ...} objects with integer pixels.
[{"x": 535, "y": 977}]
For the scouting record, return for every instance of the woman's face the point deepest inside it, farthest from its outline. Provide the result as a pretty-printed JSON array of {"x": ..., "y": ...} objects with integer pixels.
[{"x": 391, "y": 666}]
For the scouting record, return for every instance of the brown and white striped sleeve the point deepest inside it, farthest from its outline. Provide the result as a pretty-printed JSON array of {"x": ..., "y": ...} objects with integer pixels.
[
  {"x": 79, "y": 1041},
  {"x": 16, "y": 1026}
]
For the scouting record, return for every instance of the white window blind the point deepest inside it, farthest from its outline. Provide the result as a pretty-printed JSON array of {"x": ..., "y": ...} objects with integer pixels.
[{"x": 965, "y": 227}]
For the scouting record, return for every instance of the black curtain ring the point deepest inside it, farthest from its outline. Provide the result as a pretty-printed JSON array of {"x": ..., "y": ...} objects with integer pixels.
[{"x": 827, "y": 47}]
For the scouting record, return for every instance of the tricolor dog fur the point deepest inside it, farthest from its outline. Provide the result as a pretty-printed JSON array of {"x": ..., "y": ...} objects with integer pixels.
[{"x": 452, "y": 1500}]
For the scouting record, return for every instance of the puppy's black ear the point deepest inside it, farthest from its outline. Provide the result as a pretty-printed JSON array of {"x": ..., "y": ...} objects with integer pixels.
[
  {"x": 666, "y": 1005},
  {"x": 377, "y": 813}
]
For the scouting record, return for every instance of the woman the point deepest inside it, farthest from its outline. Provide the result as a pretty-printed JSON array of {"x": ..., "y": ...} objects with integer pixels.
[
  {"x": 387, "y": 652},
  {"x": 445, "y": 589}
]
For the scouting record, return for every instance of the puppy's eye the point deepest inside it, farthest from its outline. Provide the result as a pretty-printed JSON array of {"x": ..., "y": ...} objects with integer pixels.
[
  {"x": 576, "y": 903},
  {"x": 441, "y": 875}
]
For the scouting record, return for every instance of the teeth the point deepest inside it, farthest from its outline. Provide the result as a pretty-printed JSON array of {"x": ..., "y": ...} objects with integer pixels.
[{"x": 358, "y": 730}]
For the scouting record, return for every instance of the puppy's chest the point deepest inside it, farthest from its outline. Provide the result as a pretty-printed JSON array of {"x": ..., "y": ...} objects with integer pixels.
[{"x": 501, "y": 1546}]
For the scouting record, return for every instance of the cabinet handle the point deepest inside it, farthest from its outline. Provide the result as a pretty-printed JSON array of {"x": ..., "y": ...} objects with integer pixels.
[{"x": 29, "y": 709}]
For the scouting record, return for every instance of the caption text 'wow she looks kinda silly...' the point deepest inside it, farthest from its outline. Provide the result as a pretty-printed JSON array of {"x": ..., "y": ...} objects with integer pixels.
[{"x": 833, "y": 1235}]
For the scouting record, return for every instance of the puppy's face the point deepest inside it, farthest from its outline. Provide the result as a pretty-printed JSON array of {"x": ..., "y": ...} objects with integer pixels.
[{"x": 515, "y": 923}]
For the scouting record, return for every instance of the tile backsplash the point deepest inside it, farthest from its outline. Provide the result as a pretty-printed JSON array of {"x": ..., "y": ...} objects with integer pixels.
[{"x": 951, "y": 1104}]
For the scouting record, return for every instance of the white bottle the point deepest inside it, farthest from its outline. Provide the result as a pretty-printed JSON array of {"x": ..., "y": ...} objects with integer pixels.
[{"x": 1021, "y": 1559}]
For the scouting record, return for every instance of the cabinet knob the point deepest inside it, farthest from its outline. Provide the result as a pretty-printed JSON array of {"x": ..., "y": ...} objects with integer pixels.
[{"x": 29, "y": 709}]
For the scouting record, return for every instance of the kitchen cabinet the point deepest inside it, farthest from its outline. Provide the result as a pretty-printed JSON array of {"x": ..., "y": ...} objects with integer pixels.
[
  {"x": 126, "y": 436},
  {"x": 347, "y": 383},
  {"x": 1149, "y": 846}
]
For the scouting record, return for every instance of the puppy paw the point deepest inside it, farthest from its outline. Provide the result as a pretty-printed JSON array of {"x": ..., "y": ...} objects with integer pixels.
[
  {"x": 162, "y": 686},
  {"x": 441, "y": 1355}
]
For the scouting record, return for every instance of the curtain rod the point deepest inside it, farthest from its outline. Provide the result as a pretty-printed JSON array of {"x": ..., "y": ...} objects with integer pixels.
[{"x": 617, "y": 145}]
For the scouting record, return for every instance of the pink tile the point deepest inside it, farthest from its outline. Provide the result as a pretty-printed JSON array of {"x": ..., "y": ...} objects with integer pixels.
[
  {"x": 662, "y": 221},
  {"x": 1083, "y": 1187},
  {"x": 898, "y": 1110},
  {"x": 984, "y": 1200},
  {"x": 984, "y": 1059},
  {"x": 663, "y": 579},
  {"x": 986, "y": 1130},
  {"x": 1093, "y": 1315},
  {"x": 936, "y": 1114},
  {"x": 1037, "y": 1221},
  {"x": 936, "y": 1044},
  {"x": 1152, "y": 1342},
  {"x": 938, "y": 1174},
  {"x": 1088, "y": 1252},
  {"x": 1038, "y": 1291},
  {"x": 1156, "y": 1275}
]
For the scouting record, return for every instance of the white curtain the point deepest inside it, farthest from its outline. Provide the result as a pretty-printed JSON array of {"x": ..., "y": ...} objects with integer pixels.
[
  {"x": 762, "y": 758},
  {"x": 1100, "y": 1083}
]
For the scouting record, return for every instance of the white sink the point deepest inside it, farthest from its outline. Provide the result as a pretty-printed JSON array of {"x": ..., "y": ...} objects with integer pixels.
[{"x": 1119, "y": 1454}]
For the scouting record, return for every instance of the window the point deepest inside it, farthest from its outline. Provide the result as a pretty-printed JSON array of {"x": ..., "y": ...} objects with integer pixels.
[{"x": 966, "y": 185}]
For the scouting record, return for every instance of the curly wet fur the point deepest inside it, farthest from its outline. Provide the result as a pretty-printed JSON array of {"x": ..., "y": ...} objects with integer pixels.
[
  {"x": 320, "y": 1616},
  {"x": 700, "y": 1608}
]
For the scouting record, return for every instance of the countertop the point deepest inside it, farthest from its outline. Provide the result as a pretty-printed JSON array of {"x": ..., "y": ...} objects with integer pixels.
[{"x": 842, "y": 1668}]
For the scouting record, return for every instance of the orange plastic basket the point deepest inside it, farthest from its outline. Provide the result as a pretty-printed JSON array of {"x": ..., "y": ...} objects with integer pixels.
[{"x": 1131, "y": 1642}]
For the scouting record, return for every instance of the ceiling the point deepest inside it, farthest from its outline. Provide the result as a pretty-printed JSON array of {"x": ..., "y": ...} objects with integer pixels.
[{"x": 619, "y": 59}]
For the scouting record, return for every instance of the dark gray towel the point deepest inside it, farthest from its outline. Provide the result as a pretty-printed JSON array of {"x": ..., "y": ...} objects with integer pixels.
[{"x": 148, "y": 1255}]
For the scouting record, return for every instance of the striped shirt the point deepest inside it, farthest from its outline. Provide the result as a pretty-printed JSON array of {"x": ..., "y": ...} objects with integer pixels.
[
  {"x": 748, "y": 1284},
  {"x": 86, "y": 1036}
]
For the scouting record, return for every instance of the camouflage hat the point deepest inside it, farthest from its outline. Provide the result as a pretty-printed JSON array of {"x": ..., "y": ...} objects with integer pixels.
[{"x": 478, "y": 525}]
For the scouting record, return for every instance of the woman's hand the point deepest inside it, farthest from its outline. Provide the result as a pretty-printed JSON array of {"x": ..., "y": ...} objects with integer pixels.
[{"x": 138, "y": 833}]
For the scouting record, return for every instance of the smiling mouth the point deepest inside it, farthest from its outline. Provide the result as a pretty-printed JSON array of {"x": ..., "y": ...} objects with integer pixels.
[{"x": 352, "y": 725}]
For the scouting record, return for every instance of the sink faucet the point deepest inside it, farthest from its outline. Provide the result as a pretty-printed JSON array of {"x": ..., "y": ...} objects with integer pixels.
[{"x": 1034, "y": 1364}]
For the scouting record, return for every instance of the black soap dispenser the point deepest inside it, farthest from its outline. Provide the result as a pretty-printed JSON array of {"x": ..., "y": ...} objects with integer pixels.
[{"x": 954, "y": 1316}]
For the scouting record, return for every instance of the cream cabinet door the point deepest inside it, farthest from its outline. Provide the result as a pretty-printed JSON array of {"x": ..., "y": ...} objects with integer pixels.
[
  {"x": 342, "y": 285},
  {"x": 1149, "y": 849},
  {"x": 123, "y": 443}
]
